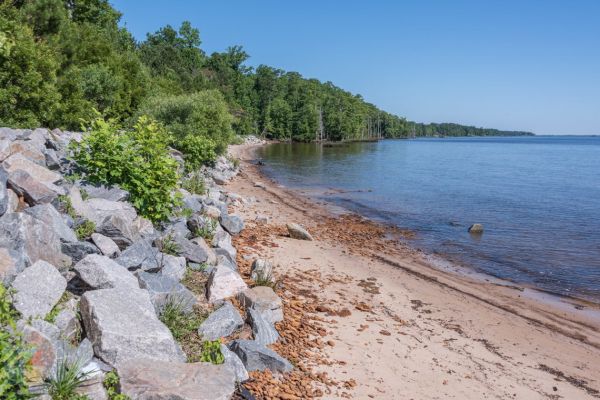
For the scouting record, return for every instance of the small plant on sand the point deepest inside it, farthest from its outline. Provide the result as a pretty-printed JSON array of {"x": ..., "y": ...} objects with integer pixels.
[
  {"x": 194, "y": 183},
  {"x": 211, "y": 352},
  {"x": 175, "y": 317},
  {"x": 85, "y": 229},
  {"x": 168, "y": 245},
  {"x": 69, "y": 376},
  {"x": 207, "y": 230},
  {"x": 14, "y": 355},
  {"x": 111, "y": 384},
  {"x": 265, "y": 279}
]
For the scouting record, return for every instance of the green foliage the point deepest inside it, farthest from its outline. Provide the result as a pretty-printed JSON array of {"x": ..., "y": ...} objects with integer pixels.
[
  {"x": 265, "y": 279},
  {"x": 14, "y": 355},
  {"x": 194, "y": 183},
  {"x": 168, "y": 245},
  {"x": 137, "y": 160},
  {"x": 67, "y": 206},
  {"x": 198, "y": 151},
  {"x": 211, "y": 352},
  {"x": 207, "y": 230},
  {"x": 69, "y": 376},
  {"x": 85, "y": 229},
  {"x": 111, "y": 384},
  {"x": 179, "y": 322}
]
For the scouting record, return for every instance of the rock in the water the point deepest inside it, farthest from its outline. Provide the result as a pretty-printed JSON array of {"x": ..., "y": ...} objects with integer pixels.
[
  {"x": 144, "y": 379},
  {"x": 140, "y": 255},
  {"x": 221, "y": 323},
  {"x": 38, "y": 289},
  {"x": 223, "y": 282},
  {"x": 100, "y": 272},
  {"x": 257, "y": 357},
  {"x": 233, "y": 362},
  {"x": 298, "y": 232},
  {"x": 164, "y": 290},
  {"x": 264, "y": 300},
  {"x": 122, "y": 325},
  {"x": 476, "y": 228},
  {"x": 263, "y": 330},
  {"x": 231, "y": 223},
  {"x": 51, "y": 217},
  {"x": 261, "y": 269},
  {"x": 106, "y": 245},
  {"x": 79, "y": 250}
]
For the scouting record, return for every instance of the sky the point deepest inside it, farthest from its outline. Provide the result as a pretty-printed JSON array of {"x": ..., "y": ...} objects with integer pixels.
[{"x": 515, "y": 65}]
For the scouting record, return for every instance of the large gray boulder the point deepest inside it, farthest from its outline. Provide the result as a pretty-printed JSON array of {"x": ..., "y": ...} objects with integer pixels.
[
  {"x": 190, "y": 250},
  {"x": 221, "y": 323},
  {"x": 4, "y": 199},
  {"x": 263, "y": 330},
  {"x": 257, "y": 357},
  {"x": 264, "y": 300},
  {"x": 11, "y": 263},
  {"x": 140, "y": 255},
  {"x": 113, "y": 193},
  {"x": 32, "y": 239},
  {"x": 100, "y": 272},
  {"x": 233, "y": 362},
  {"x": 122, "y": 325},
  {"x": 79, "y": 250},
  {"x": 172, "y": 266},
  {"x": 120, "y": 229},
  {"x": 222, "y": 240},
  {"x": 164, "y": 290},
  {"x": 211, "y": 256},
  {"x": 43, "y": 353},
  {"x": 34, "y": 191},
  {"x": 231, "y": 223},
  {"x": 223, "y": 282},
  {"x": 144, "y": 379},
  {"x": 298, "y": 232},
  {"x": 38, "y": 289},
  {"x": 261, "y": 269},
  {"x": 18, "y": 162},
  {"x": 51, "y": 217}
]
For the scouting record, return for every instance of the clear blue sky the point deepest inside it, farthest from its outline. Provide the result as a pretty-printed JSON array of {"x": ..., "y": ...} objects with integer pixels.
[{"x": 522, "y": 65}]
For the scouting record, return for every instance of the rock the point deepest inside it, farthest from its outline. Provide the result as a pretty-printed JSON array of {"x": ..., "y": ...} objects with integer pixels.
[
  {"x": 214, "y": 194},
  {"x": 212, "y": 212},
  {"x": 79, "y": 250},
  {"x": 219, "y": 178},
  {"x": 11, "y": 263},
  {"x": 224, "y": 258},
  {"x": 221, "y": 323},
  {"x": 144, "y": 379},
  {"x": 144, "y": 228},
  {"x": 38, "y": 173},
  {"x": 43, "y": 354},
  {"x": 34, "y": 191},
  {"x": 13, "y": 201},
  {"x": 121, "y": 230},
  {"x": 93, "y": 387},
  {"x": 122, "y": 325},
  {"x": 260, "y": 185},
  {"x": 190, "y": 250},
  {"x": 298, "y": 232},
  {"x": 211, "y": 256},
  {"x": 222, "y": 240},
  {"x": 51, "y": 217},
  {"x": 476, "y": 229},
  {"x": 140, "y": 255},
  {"x": 191, "y": 201},
  {"x": 81, "y": 354},
  {"x": 198, "y": 222},
  {"x": 172, "y": 266},
  {"x": 257, "y": 357},
  {"x": 4, "y": 198},
  {"x": 164, "y": 290},
  {"x": 264, "y": 300},
  {"x": 114, "y": 193},
  {"x": 97, "y": 210},
  {"x": 67, "y": 322},
  {"x": 222, "y": 283},
  {"x": 233, "y": 362},
  {"x": 100, "y": 272},
  {"x": 231, "y": 223},
  {"x": 106, "y": 245},
  {"x": 38, "y": 289},
  {"x": 261, "y": 219},
  {"x": 263, "y": 330},
  {"x": 51, "y": 159},
  {"x": 261, "y": 269},
  {"x": 177, "y": 228}
]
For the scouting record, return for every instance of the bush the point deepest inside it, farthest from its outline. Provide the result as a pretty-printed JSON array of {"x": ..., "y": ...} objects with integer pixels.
[
  {"x": 211, "y": 352},
  {"x": 194, "y": 183},
  {"x": 85, "y": 229},
  {"x": 14, "y": 355},
  {"x": 69, "y": 376},
  {"x": 137, "y": 160},
  {"x": 111, "y": 384},
  {"x": 200, "y": 123}
]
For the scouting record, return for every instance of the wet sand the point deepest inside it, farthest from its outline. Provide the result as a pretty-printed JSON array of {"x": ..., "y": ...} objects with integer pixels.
[{"x": 396, "y": 327}]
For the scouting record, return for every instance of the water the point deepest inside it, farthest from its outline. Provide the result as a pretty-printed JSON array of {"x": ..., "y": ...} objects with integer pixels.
[{"x": 537, "y": 197}]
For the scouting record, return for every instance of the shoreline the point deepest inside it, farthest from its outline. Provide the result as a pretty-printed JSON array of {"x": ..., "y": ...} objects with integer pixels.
[{"x": 513, "y": 311}]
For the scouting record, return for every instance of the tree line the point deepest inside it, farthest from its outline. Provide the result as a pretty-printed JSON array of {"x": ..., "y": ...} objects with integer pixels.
[{"x": 66, "y": 61}]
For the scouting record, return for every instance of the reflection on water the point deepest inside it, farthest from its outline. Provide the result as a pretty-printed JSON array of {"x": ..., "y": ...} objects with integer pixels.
[{"x": 537, "y": 197}]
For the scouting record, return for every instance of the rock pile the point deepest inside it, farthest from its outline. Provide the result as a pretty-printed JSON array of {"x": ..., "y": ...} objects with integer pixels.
[{"x": 99, "y": 299}]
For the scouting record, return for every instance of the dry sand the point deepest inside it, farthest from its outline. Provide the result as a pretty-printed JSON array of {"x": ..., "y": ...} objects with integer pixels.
[{"x": 414, "y": 331}]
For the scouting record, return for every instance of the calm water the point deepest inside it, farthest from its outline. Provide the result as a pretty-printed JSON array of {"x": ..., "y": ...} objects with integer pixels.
[{"x": 538, "y": 198}]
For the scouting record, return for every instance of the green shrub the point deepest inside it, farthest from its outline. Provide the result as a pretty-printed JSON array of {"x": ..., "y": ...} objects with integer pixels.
[
  {"x": 66, "y": 205},
  {"x": 194, "y": 183},
  {"x": 177, "y": 320},
  {"x": 207, "y": 231},
  {"x": 14, "y": 355},
  {"x": 137, "y": 160},
  {"x": 211, "y": 352},
  {"x": 111, "y": 384},
  {"x": 200, "y": 123},
  {"x": 69, "y": 376},
  {"x": 265, "y": 279},
  {"x": 85, "y": 229},
  {"x": 168, "y": 245}
]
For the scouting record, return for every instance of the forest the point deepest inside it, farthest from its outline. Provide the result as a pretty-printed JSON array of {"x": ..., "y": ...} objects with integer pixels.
[{"x": 66, "y": 62}]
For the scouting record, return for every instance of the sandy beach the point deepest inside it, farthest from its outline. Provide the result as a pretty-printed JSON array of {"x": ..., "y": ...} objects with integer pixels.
[{"x": 397, "y": 328}]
